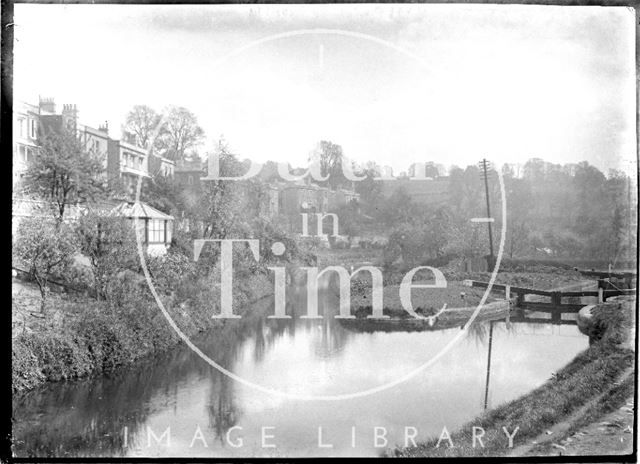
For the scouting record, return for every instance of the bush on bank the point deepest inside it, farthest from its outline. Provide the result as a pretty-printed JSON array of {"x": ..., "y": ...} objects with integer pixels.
[
  {"x": 123, "y": 323},
  {"x": 102, "y": 335}
]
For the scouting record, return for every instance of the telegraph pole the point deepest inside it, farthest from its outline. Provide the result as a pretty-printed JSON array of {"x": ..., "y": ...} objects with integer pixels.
[
  {"x": 486, "y": 385},
  {"x": 484, "y": 164}
]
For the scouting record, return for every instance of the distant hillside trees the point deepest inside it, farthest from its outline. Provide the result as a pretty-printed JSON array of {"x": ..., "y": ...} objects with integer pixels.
[{"x": 570, "y": 211}]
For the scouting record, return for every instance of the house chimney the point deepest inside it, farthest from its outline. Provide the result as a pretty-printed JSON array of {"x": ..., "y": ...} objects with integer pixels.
[
  {"x": 104, "y": 127},
  {"x": 47, "y": 105},
  {"x": 70, "y": 116}
]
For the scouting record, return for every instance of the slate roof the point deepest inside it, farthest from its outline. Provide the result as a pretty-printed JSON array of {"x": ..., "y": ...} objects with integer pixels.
[{"x": 139, "y": 209}]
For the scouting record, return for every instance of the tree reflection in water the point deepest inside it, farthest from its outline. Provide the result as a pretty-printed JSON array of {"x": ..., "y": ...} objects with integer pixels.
[{"x": 86, "y": 418}]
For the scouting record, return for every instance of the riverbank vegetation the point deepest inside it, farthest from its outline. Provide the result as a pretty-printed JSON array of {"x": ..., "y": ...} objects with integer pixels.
[
  {"x": 595, "y": 382},
  {"x": 107, "y": 316},
  {"x": 78, "y": 335}
]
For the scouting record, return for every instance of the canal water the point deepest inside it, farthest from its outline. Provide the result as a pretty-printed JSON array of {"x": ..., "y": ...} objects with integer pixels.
[{"x": 202, "y": 412}]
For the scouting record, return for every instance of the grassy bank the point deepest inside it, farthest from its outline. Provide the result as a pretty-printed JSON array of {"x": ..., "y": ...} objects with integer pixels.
[
  {"x": 455, "y": 295},
  {"x": 583, "y": 390},
  {"x": 456, "y": 317},
  {"x": 540, "y": 277},
  {"x": 588, "y": 424},
  {"x": 425, "y": 301},
  {"x": 80, "y": 336}
]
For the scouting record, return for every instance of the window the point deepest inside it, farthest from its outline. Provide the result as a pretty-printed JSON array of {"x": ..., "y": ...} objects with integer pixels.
[
  {"x": 156, "y": 231},
  {"x": 33, "y": 128},
  {"x": 21, "y": 126},
  {"x": 132, "y": 161}
]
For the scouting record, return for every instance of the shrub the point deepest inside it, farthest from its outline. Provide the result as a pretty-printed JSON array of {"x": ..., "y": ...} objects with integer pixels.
[
  {"x": 58, "y": 355},
  {"x": 45, "y": 247},
  {"x": 110, "y": 245},
  {"x": 25, "y": 366}
]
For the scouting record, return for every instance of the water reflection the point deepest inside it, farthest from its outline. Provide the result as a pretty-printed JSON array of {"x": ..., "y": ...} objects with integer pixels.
[{"x": 95, "y": 417}]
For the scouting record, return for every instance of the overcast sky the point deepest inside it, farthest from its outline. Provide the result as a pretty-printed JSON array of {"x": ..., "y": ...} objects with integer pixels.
[{"x": 395, "y": 84}]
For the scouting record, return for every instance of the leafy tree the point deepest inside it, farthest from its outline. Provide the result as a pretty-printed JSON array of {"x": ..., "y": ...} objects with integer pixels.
[
  {"x": 352, "y": 222},
  {"x": 330, "y": 157},
  {"x": 467, "y": 240},
  {"x": 398, "y": 209},
  {"x": 163, "y": 193},
  {"x": 64, "y": 172},
  {"x": 588, "y": 189},
  {"x": 219, "y": 205},
  {"x": 45, "y": 247},
  {"x": 269, "y": 172},
  {"x": 370, "y": 190},
  {"x": 109, "y": 243},
  {"x": 268, "y": 232},
  {"x": 466, "y": 192},
  {"x": 423, "y": 239},
  {"x": 518, "y": 193},
  {"x": 534, "y": 171},
  {"x": 141, "y": 124}
]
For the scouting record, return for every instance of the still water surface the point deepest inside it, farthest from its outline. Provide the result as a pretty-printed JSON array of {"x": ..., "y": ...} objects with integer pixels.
[{"x": 114, "y": 415}]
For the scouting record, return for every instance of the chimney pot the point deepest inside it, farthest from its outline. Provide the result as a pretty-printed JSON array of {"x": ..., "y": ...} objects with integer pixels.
[{"x": 47, "y": 104}]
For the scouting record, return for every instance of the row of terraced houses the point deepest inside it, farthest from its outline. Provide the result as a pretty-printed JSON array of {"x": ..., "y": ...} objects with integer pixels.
[
  {"x": 127, "y": 162},
  {"x": 121, "y": 159}
]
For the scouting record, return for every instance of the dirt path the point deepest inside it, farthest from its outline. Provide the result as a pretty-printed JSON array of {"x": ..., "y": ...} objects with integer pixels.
[{"x": 610, "y": 434}]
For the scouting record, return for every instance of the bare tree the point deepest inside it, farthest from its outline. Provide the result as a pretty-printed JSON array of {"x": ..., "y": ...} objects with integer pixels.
[
  {"x": 180, "y": 132},
  {"x": 141, "y": 123}
]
